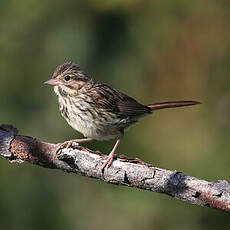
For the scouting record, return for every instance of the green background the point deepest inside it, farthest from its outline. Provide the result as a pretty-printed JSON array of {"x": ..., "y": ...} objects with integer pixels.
[{"x": 151, "y": 50}]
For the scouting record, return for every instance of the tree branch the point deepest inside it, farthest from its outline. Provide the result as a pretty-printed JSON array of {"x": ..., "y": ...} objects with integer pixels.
[{"x": 123, "y": 171}]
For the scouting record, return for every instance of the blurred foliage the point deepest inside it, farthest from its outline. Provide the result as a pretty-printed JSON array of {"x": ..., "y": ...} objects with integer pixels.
[{"x": 151, "y": 50}]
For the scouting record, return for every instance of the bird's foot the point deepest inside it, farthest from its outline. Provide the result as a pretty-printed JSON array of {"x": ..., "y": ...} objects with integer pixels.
[
  {"x": 111, "y": 157},
  {"x": 109, "y": 161},
  {"x": 68, "y": 144},
  {"x": 132, "y": 160}
]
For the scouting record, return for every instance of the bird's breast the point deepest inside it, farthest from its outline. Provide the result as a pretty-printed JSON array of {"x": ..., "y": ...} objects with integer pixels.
[{"x": 83, "y": 117}]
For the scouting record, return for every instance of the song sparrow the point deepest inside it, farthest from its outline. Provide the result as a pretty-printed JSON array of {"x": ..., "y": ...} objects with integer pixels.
[{"x": 97, "y": 110}]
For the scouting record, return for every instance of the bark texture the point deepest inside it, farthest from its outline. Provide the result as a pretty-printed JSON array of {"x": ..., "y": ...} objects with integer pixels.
[{"x": 123, "y": 171}]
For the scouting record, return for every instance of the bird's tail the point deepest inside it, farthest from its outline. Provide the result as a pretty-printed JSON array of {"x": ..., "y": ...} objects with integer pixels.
[{"x": 171, "y": 104}]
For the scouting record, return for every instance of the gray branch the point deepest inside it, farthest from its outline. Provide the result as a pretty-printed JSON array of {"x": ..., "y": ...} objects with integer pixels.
[{"x": 123, "y": 171}]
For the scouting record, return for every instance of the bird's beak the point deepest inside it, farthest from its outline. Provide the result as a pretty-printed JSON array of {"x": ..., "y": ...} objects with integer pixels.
[{"x": 52, "y": 81}]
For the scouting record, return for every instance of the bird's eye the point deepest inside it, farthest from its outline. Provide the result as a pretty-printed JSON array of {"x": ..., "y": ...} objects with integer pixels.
[{"x": 67, "y": 78}]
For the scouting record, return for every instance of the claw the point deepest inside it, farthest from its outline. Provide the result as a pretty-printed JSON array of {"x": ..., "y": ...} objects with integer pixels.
[
  {"x": 111, "y": 157},
  {"x": 108, "y": 162},
  {"x": 68, "y": 144}
]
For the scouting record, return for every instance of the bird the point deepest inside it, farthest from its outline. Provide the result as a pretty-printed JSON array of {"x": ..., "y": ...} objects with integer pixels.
[{"x": 97, "y": 110}]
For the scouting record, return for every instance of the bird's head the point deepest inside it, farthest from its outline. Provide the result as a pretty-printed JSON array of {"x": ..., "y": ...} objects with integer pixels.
[{"x": 68, "y": 78}]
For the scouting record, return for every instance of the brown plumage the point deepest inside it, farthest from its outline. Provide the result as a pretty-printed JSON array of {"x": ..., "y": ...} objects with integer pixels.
[{"x": 97, "y": 110}]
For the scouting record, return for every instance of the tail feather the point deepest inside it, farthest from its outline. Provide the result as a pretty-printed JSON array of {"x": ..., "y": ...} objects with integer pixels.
[{"x": 171, "y": 104}]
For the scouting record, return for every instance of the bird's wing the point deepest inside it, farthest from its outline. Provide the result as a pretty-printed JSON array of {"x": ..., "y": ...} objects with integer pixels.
[{"x": 111, "y": 100}]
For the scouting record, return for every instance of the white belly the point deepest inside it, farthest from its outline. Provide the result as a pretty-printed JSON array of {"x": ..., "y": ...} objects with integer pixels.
[{"x": 88, "y": 123}]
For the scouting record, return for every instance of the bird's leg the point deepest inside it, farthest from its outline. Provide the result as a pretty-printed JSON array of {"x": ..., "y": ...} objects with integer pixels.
[
  {"x": 67, "y": 144},
  {"x": 111, "y": 156}
]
